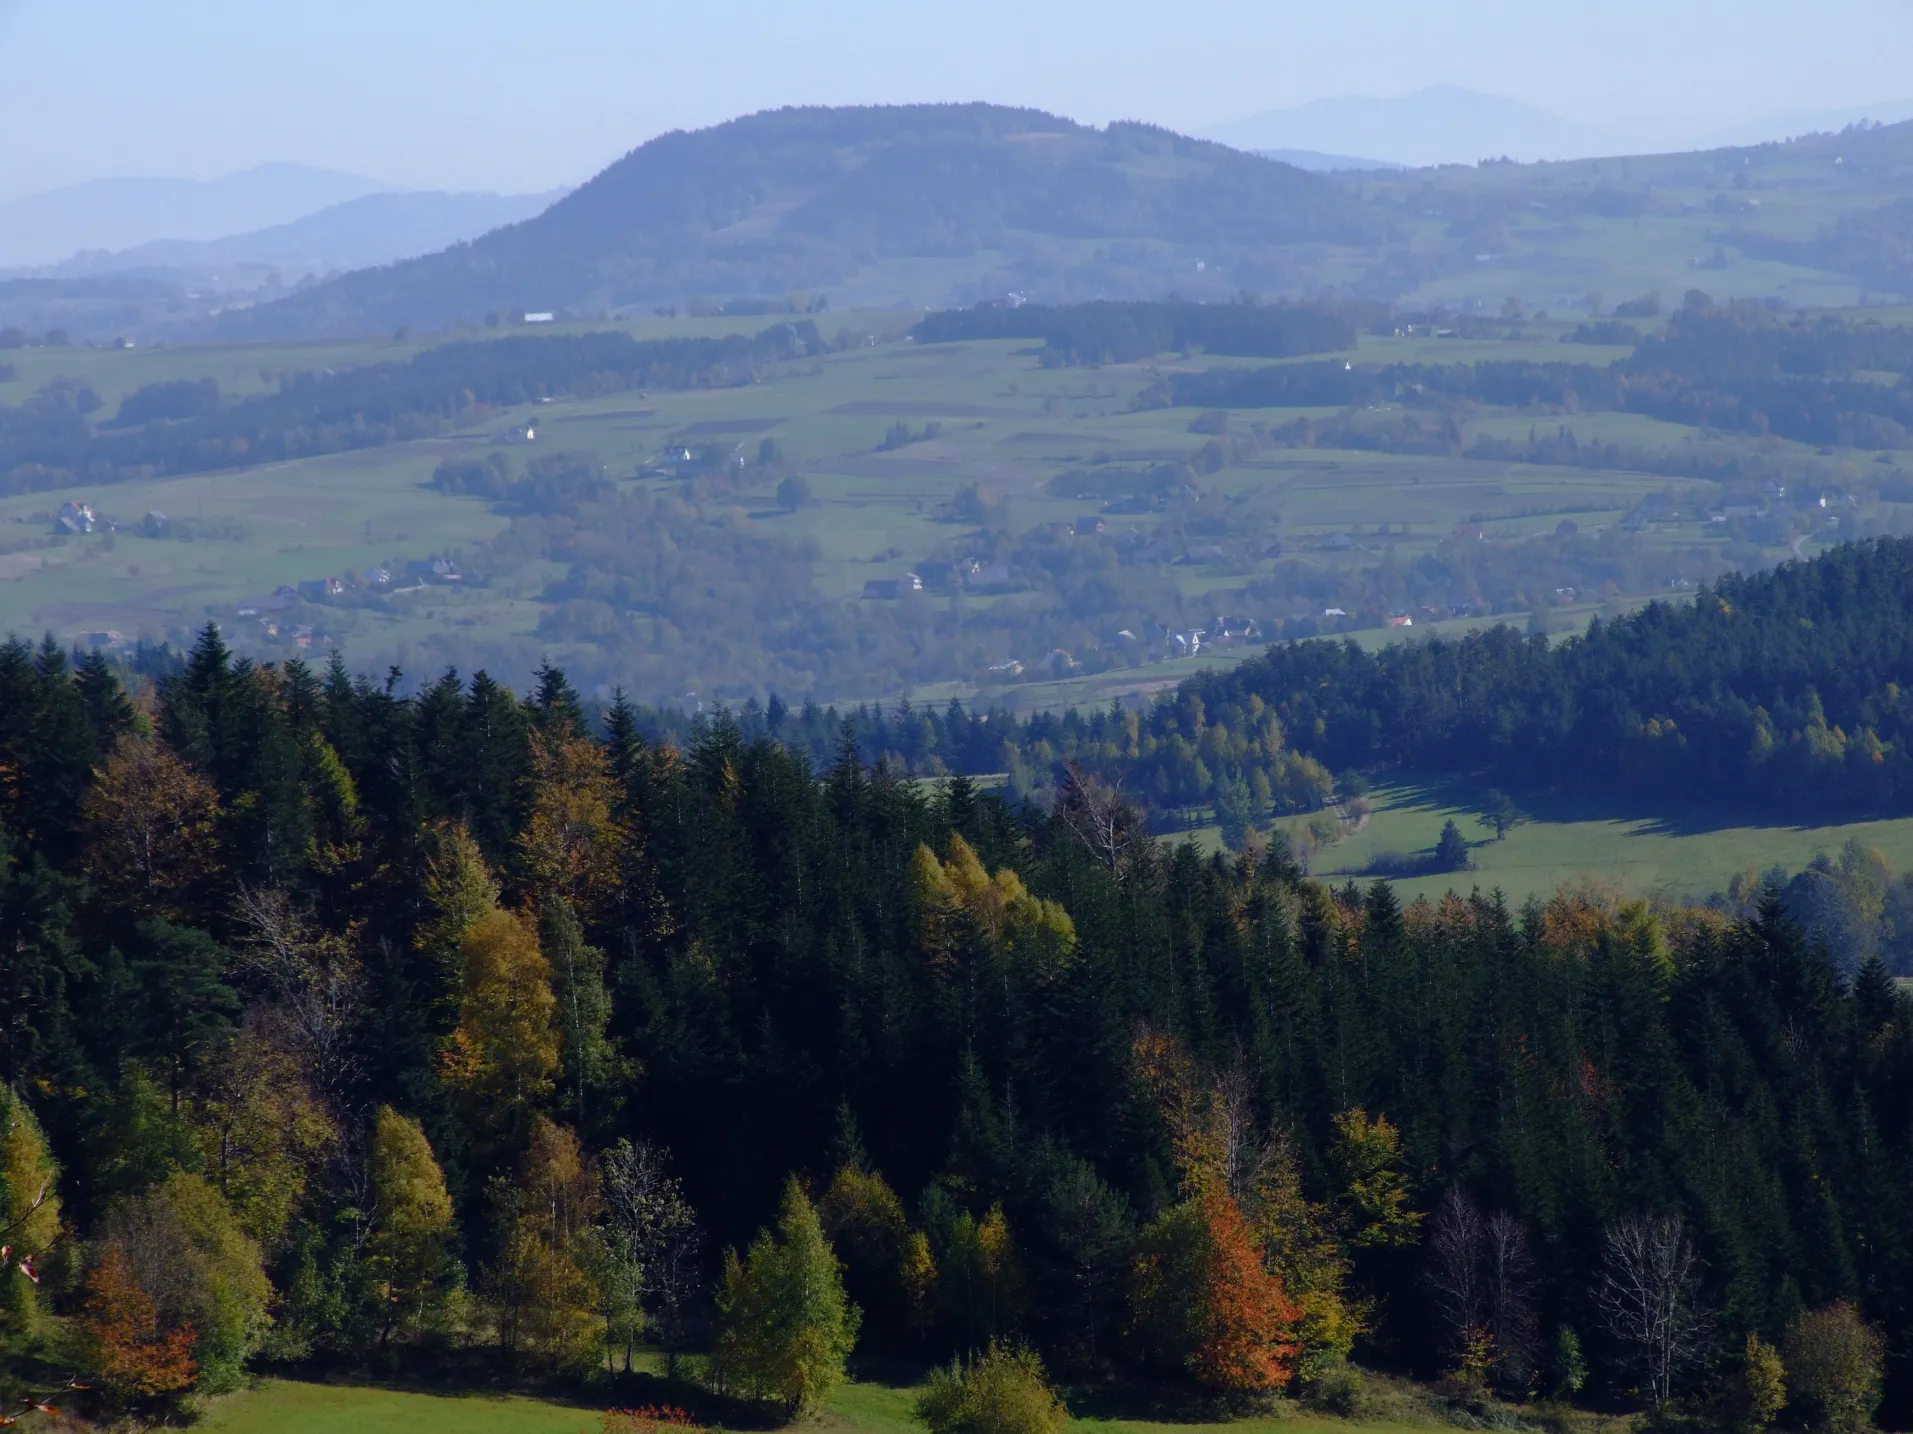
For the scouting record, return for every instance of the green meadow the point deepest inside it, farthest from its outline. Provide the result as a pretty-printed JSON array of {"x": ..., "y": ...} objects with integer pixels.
[{"x": 1564, "y": 842}]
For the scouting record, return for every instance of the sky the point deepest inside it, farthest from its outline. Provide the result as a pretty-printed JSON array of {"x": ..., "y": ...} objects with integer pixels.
[{"x": 484, "y": 94}]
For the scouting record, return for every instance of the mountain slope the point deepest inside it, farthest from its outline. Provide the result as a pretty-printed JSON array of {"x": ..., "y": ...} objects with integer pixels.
[
  {"x": 806, "y": 198},
  {"x": 120, "y": 213}
]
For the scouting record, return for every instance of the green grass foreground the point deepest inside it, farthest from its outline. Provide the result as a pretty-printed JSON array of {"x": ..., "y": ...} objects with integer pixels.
[{"x": 282, "y": 1406}]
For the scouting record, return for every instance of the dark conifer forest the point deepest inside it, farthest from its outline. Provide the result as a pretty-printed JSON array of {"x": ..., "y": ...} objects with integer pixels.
[{"x": 464, "y": 1019}]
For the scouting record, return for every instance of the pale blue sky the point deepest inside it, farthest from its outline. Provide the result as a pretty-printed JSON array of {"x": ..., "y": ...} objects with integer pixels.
[{"x": 487, "y": 94}]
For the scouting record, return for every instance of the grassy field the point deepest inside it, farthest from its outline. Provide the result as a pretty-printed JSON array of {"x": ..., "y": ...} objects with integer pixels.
[
  {"x": 1567, "y": 842},
  {"x": 292, "y": 1407}
]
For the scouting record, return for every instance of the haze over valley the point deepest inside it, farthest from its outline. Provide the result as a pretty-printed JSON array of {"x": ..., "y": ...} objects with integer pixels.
[{"x": 1007, "y": 719}]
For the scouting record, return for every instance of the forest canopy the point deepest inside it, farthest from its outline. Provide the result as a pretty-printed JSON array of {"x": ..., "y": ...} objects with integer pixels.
[{"x": 575, "y": 1007}]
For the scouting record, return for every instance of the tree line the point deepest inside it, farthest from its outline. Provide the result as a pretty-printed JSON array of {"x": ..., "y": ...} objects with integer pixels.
[
  {"x": 1738, "y": 368},
  {"x": 54, "y": 440},
  {"x": 1105, "y": 331},
  {"x": 345, "y": 1026}
]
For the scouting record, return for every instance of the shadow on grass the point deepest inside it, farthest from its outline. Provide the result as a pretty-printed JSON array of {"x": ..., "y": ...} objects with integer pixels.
[
  {"x": 1421, "y": 792},
  {"x": 473, "y": 1378},
  {"x": 1155, "y": 1404}
]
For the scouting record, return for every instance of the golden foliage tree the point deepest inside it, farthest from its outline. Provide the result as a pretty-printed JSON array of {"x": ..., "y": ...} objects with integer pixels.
[
  {"x": 409, "y": 1249},
  {"x": 864, "y": 1221},
  {"x": 572, "y": 842},
  {"x": 1036, "y": 934},
  {"x": 29, "y": 1208},
  {"x": 149, "y": 828},
  {"x": 261, "y": 1131},
  {"x": 1836, "y": 1368},
  {"x": 504, "y": 1053},
  {"x": 546, "y": 1302},
  {"x": 1367, "y": 1154}
]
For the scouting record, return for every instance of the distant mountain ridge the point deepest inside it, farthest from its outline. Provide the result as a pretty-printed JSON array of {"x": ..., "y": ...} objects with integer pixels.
[
  {"x": 803, "y": 199},
  {"x": 115, "y": 214},
  {"x": 360, "y": 233},
  {"x": 1446, "y": 124},
  {"x": 1442, "y": 124}
]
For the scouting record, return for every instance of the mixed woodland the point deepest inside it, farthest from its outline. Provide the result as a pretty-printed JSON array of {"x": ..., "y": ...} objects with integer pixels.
[{"x": 346, "y": 1028}]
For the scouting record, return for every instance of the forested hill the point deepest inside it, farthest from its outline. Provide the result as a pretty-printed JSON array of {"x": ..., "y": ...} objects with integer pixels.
[
  {"x": 320, "y": 1000},
  {"x": 1785, "y": 692},
  {"x": 1788, "y": 690},
  {"x": 798, "y": 199}
]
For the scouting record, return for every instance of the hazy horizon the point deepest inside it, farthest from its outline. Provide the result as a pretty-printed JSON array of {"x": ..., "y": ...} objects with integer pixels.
[{"x": 486, "y": 96}]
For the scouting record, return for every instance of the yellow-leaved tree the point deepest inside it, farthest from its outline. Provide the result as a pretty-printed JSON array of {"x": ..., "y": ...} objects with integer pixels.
[
  {"x": 29, "y": 1210},
  {"x": 503, "y": 1056},
  {"x": 261, "y": 1131},
  {"x": 458, "y": 888},
  {"x": 413, "y": 1231},
  {"x": 572, "y": 844},
  {"x": 542, "y": 1291},
  {"x": 1035, "y": 934},
  {"x": 149, "y": 828}
]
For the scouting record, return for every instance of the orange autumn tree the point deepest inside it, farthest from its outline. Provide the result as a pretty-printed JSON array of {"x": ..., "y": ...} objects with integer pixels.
[
  {"x": 125, "y": 1349},
  {"x": 1207, "y": 1296},
  {"x": 1205, "y": 1302}
]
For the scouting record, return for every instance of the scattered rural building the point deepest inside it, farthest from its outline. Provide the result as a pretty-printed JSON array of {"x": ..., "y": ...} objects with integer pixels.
[
  {"x": 434, "y": 570},
  {"x": 1187, "y": 644},
  {"x": 75, "y": 518},
  {"x": 540, "y": 318},
  {"x": 1088, "y": 527},
  {"x": 1400, "y": 619},
  {"x": 156, "y": 525}
]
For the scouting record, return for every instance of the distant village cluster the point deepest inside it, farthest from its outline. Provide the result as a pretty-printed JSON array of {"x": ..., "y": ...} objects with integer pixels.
[{"x": 270, "y": 613}]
